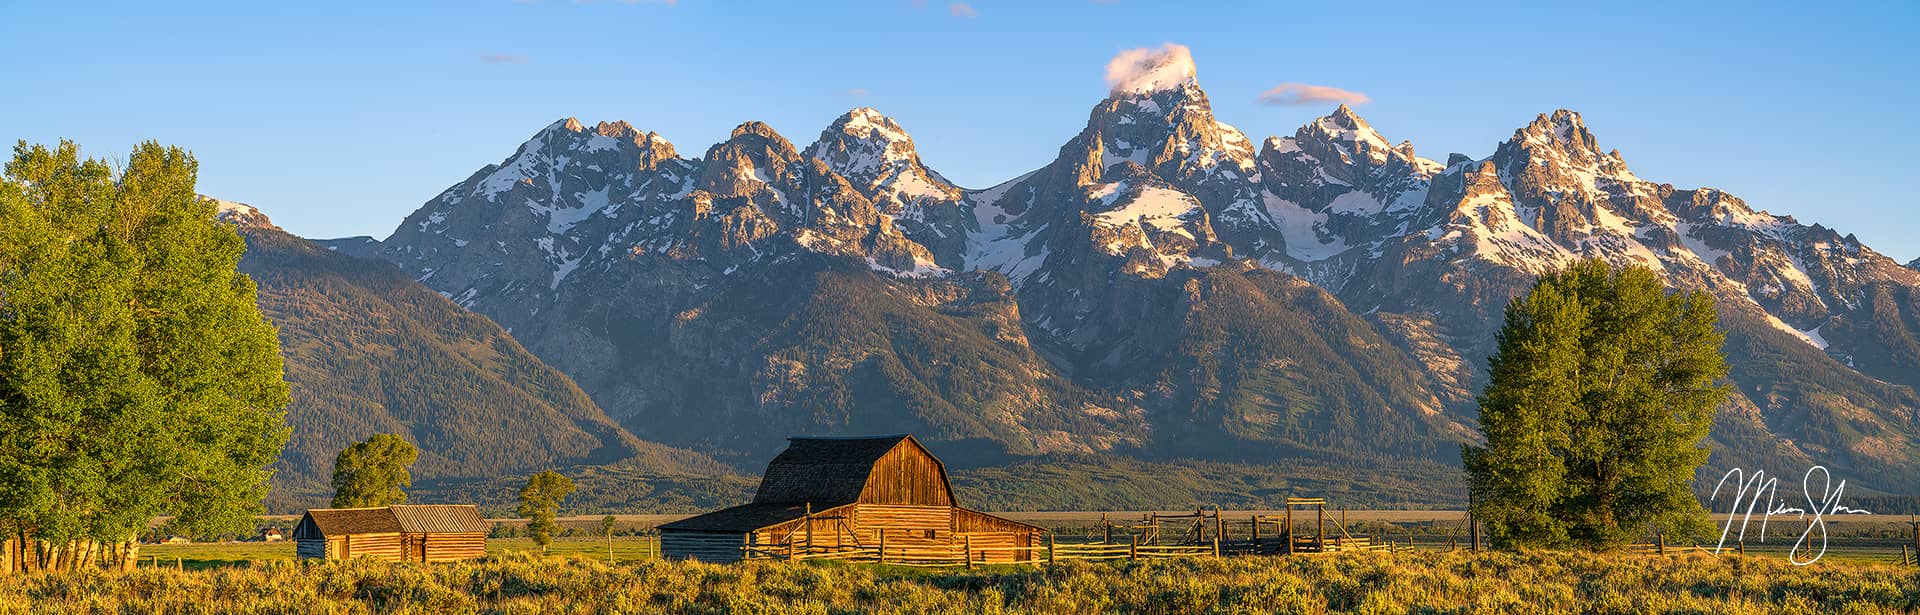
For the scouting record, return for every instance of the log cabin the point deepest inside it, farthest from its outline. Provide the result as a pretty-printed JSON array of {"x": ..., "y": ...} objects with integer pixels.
[
  {"x": 833, "y": 494},
  {"x": 410, "y": 532}
]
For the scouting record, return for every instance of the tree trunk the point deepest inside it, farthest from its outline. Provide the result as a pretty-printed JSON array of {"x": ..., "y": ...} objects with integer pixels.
[{"x": 130, "y": 555}]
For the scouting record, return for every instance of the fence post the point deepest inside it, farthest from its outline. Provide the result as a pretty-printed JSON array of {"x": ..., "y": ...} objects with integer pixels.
[
  {"x": 1133, "y": 548},
  {"x": 1660, "y": 542},
  {"x": 1903, "y": 554},
  {"x": 1049, "y": 549},
  {"x": 1473, "y": 523},
  {"x": 179, "y": 564},
  {"x": 883, "y": 546},
  {"x": 966, "y": 545},
  {"x": 1219, "y": 530},
  {"x": 1742, "y": 547},
  {"x": 1106, "y": 529}
]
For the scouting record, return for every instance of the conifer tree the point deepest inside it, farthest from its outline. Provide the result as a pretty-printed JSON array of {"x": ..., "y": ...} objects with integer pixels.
[{"x": 1600, "y": 395}]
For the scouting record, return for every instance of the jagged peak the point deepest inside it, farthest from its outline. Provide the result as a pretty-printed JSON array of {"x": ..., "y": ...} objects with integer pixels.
[
  {"x": 868, "y": 123},
  {"x": 1344, "y": 117},
  {"x": 754, "y": 128},
  {"x": 569, "y": 124},
  {"x": 1562, "y": 128}
]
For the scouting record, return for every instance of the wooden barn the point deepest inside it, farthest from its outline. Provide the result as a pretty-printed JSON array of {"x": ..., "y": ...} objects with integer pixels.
[
  {"x": 412, "y": 532},
  {"x": 884, "y": 495}
]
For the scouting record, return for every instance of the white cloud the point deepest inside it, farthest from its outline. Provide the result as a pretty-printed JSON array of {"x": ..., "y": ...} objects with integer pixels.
[
  {"x": 1305, "y": 94},
  {"x": 962, "y": 9},
  {"x": 1150, "y": 69},
  {"x": 854, "y": 92}
]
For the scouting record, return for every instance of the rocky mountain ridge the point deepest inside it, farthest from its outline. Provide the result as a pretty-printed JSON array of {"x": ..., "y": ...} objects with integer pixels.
[{"x": 1163, "y": 289}]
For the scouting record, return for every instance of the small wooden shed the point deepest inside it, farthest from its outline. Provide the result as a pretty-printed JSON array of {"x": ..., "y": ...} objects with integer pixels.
[
  {"x": 402, "y": 532},
  {"x": 826, "y": 494}
]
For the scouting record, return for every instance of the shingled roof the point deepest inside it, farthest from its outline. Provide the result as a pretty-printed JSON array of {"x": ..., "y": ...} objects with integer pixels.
[
  {"x": 410, "y": 518},
  {"x": 323, "y": 522},
  {"x": 826, "y": 471},
  {"x": 743, "y": 518}
]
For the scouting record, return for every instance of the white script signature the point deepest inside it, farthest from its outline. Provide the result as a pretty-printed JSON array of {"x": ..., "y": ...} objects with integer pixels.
[{"x": 1749, "y": 491}]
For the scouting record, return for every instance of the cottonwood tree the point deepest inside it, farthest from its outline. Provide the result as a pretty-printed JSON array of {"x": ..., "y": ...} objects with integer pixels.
[
  {"x": 373, "y": 472},
  {"x": 1600, "y": 395},
  {"x": 540, "y": 503},
  {"x": 137, "y": 375}
]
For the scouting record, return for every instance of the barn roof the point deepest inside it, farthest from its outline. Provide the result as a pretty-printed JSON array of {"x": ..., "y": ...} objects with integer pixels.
[
  {"x": 826, "y": 471},
  {"x": 343, "y": 521},
  {"x": 742, "y": 518},
  {"x": 411, "y": 518},
  {"x": 431, "y": 518}
]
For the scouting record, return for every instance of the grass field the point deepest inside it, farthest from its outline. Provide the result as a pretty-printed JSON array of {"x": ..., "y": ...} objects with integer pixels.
[
  {"x": 1423, "y": 582},
  {"x": 200, "y": 556}
]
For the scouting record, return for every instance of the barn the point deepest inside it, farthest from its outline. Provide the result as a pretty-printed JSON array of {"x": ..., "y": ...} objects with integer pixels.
[
  {"x": 837, "y": 494},
  {"x": 411, "y": 532}
]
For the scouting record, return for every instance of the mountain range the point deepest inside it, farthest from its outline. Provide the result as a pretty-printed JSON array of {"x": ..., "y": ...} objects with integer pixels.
[{"x": 1166, "y": 293}]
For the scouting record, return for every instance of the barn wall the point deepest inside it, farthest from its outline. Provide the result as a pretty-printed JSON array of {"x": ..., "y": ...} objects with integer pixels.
[
  {"x": 452, "y": 546},
  {"x": 908, "y": 474},
  {"x": 974, "y": 521},
  {"x": 1000, "y": 539},
  {"x": 719, "y": 547},
  {"x": 904, "y": 518},
  {"x": 383, "y": 546},
  {"x": 311, "y": 548}
]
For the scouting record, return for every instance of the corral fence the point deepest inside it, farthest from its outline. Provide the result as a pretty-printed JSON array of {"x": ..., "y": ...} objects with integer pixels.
[{"x": 1201, "y": 533}]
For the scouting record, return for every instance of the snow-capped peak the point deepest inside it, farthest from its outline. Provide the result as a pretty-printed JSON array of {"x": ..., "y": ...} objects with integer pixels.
[
  {"x": 237, "y": 213},
  {"x": 1147, "y": 70},
  {"x": 869, "y": 123}
]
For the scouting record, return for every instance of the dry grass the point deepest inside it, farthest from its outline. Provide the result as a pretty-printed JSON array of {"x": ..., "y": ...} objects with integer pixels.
[{"x": 1368, "y": 583}]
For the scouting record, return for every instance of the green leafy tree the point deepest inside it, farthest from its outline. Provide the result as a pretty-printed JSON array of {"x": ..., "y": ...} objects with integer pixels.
[
  {"x": 373, "y": 472},
  {"x": 137, "y": 376},
  {"x": 540, "y": 503},
  {"x": 1600, "y": 395}
]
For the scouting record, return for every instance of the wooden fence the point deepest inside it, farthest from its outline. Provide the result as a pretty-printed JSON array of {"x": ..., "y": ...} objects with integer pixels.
[{"x": 966, "y": 554}]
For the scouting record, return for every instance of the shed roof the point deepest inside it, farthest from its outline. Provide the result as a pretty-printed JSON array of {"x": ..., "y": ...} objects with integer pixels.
[
  {"x": 343, "y": 521},
  {"x": 742, "y": 518},
  {"x": 411, "y": 518},
  {"x": 427, "y": 518},
  {"x": 827, "y": 471}
]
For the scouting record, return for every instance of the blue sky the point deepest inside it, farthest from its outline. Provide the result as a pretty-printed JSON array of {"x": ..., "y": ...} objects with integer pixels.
[{"x": 340, "y": 118}]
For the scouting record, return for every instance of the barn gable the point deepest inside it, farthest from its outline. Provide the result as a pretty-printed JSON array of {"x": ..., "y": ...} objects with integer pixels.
[
  {"x": 320, "y": 523},
  {"x": 828, "y": 471}
]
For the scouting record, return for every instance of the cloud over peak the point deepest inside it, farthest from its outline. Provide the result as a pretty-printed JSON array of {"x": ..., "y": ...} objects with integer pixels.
[
  {"x": 1150, "y": 69},
  {"x": 1292, "y": 94}
]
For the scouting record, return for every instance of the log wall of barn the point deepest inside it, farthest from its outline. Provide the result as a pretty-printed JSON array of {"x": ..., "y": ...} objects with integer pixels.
[
  {"x": 893, "y": 517},
  {"x": 453, "y": 546},
  {"x": 718, "y": 547},
  {"x": 383, "y": 546},
  {"x": 907, "y": 474},
  {"x": 999, "y": 539}
]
